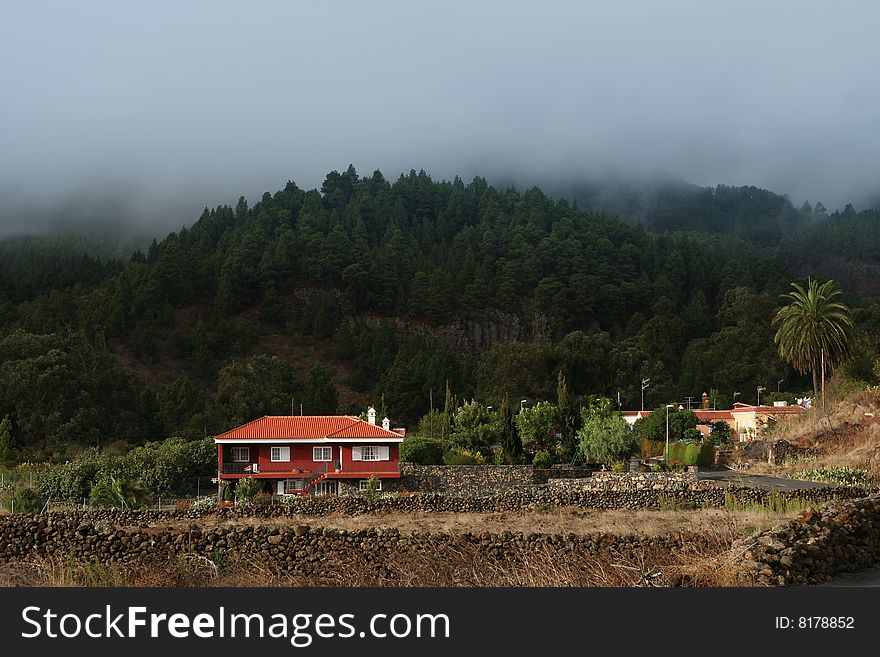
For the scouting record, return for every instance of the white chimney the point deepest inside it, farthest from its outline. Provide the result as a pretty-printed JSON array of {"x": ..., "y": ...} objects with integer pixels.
[
  {"x": 780, "y": 403},
  {"x": 371, "y": 415},
  {"x": 386, "y": 424}
]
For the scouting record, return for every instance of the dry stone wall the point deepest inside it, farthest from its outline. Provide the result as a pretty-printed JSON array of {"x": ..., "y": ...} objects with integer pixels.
[
  {"x": 471, "y": 480},
  {"x": 842, "y": 536},
  {"x": 296, "y": 548},
  {"x": 634, "y": 481}
]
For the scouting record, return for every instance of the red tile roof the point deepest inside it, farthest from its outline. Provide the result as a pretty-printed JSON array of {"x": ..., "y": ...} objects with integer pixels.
[
  {"x": 308, "y": 427},
  {"x": 712, "y": 415},
  {"x": 770, "y": 410}
]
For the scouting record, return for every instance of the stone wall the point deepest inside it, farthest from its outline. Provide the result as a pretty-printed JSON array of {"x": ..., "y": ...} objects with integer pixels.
[
  {"x": 352, "y": 486},
  {"x": 519, "y": 499},
  {"x": 465, "y": 480},
  {"x": 634, "y": 481},
  {"x": 840, "y": 537},
  {"x": 470, "y": 480},
  {"x": 294, "y": 548}
]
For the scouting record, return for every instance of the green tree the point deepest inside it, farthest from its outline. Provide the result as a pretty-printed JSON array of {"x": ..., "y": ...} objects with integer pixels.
[
  {"x": 474, "y": 428},
  {"x": 604, "y": 436},
  {"x": 510, "y": 441},
  {"x": 569, "y": 417},
  {"x": 422, "y": 450},
  {"x": 537, "y": 428},
  {"x": 814, "y": 330},
  {"x": 653, "y": 427},
  {"x": 320, "y": 396},
  {"x": 248, "y": 389},
  {"x": 7, "y": 450}
]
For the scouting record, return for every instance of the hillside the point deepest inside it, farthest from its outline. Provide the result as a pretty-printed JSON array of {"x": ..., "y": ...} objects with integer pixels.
[{"x": 371, "y": 291}]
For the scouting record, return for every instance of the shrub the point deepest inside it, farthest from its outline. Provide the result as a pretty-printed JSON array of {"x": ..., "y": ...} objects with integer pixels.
[
  {"x": 845, "y": 476},
  {"x": 422, "y": 450},
  {"x": 619, "y": 466},
  {"x": 228, "y": 494},
  {"x": 27, "y": 500},
  {"x": 543, "y": 460},
  {"x": 261, "y": 499},
  {"x": 246, "y": 488},
  {"x": 464, "y": 457},
  {"x": 690, "y": 454},
  {"x": 652, "y": 447},
  {"x": 205, "y": 503},
  {"x": 372, "y": 491}
]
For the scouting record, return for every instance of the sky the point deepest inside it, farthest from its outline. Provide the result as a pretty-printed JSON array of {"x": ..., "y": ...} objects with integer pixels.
[{"x": 153, "y": 110}]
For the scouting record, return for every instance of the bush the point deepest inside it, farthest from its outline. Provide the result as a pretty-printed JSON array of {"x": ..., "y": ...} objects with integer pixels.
[
  {"x": 845, "y": 476},
  {"x": 228, "y": 494},
  {"x": 464, "y": 457},
  {"x": 619, "y": 466},
  {"x": 543, "y": 460},
  {"x": 262, "y": 499},
  {"x": 27, "y": 500},
  {"x": 372, "y": 491},
  {"x": 422, "y": 450},
  {"x": 205, "y": 503},
  {"x": 247, "y": 488},
  {"x": 652, "y": 447},
  {"x": 690, "y": 454}
]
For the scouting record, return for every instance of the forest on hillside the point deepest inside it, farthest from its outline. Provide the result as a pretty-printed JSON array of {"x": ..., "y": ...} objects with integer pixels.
[{"x": 372, "y": 291}]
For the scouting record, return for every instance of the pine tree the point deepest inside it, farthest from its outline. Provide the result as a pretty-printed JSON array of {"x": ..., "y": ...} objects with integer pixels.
[
  {"x": 569, "y": 418},
  {"x": 510, "y": 441}
]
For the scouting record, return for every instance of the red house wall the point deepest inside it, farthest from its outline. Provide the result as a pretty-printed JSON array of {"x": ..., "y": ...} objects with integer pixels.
[
  {"x": 301, "y": 457},
  {"x": 348, "y": 465}
]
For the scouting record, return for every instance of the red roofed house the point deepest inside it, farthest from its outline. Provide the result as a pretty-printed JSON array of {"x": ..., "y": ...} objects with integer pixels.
[
  {"x": 320, "y": 455},
  {"x": 747, "y": 421}
]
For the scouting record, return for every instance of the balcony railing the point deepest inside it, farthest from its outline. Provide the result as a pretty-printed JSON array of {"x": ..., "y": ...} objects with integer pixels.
[
  {"x": 241, "y": 468},
  {"x": 273, "y": 468}
]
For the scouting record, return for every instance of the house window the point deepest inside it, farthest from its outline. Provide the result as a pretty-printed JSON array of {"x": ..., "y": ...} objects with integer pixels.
[
  {"x": 240, "y": 454},
  {"x": 322, "y": 453},
  {"x": 281, "y": 453},
  {"x": 370, "y": 453},
  {"x": 289, "y": 486},
  {"x": 325, "y": 487},
  {"x": 364, "y": 485}
]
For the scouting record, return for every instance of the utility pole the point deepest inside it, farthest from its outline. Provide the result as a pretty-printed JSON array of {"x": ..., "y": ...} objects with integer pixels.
[
  {"x": 645, "y": 384},
  {"x": 688, "y": 400}
]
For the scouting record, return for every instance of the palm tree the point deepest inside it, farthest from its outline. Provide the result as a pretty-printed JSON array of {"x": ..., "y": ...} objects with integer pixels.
[{"x": 814, "y": 329}]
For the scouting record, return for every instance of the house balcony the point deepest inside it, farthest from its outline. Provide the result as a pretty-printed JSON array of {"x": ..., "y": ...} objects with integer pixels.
[{"x": 289, "y": 470}]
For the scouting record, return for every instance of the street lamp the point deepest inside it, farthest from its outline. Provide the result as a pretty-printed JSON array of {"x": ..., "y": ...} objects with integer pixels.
[
  {"x": 522, "y": 403},
  {"x": 760, "y": 390},
  {"x": 735, "y": 395},
  {"x": 777, "y": 384},
  {"x": 645, "y": 384},
  {"x": 668, "y": 406}
]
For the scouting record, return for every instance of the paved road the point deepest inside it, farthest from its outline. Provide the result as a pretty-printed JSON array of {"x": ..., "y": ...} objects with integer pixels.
[{"x": 742, "y": 478}]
